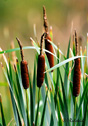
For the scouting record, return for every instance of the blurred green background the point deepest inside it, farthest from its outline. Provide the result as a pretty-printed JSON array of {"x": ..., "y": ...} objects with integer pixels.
[{"x": 17, "y": 19}]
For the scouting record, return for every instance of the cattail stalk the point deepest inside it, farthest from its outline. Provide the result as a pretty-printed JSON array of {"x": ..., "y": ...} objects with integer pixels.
[
  {"x": 75, "y": 110},
  {"x": 48, "y": 45},
  {"x": 77, "y": 72},
  {"x": 24, "y": 68},
  {"x": 76, "y": 77},
  {"x": 41, "y": 65}
]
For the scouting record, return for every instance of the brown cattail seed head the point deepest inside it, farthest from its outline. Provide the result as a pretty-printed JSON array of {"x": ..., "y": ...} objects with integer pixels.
[
  {"x": 40, "y": 70},
  {"x": 76, "y": 78},
  {"x": 49, "y": 47},
  {"x": 24, "y": 74}
]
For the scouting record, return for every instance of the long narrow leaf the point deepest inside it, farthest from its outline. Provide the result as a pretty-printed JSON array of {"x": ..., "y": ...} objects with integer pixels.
[
  {"x": 43, "y": 113},
  {"x": 2, "y": 113},
  {"x": 34, "y": 88},
  {"x": 65, "y": 102},
  {"x": 67, "y": 68},
  {"x": 63, "y": 62},
  {"x": 53, "y": 109},
  {"x": 31, "y": 102},
  {"x": 16, "y": 114},
  {"x": 85, "y": 114},
  {"x": 82, "y": 98},
  {"x": 36, "y": 120}
]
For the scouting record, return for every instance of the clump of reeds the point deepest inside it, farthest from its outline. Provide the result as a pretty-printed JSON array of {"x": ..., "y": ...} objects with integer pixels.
[
  {"x": 77, "y": 72},
  {"x": 47, "y": 108},
  {"x": 41, "y": 65},
  {"x": 24, "y": 68},
  {"x": 48, "y": 45}
]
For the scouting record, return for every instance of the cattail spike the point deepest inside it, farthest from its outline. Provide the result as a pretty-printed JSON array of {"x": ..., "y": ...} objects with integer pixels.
[
  {"x": 76, "y": 78},
  {"x": 24, "y": 74},
  {"x": 77, "y": 71},
  {"x": 76, "y": 43},
  {"x": 45, "y": 19},
  {"x": 21, "y": 50}
]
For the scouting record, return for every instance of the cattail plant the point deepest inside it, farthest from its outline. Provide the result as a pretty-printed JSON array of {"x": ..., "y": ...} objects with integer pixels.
[
  {"x": 24, "y": 68},
  {"x": 48, "y": 45},
  {"x": 77, "y": 72},
  {"x": 41, "y": 65}
]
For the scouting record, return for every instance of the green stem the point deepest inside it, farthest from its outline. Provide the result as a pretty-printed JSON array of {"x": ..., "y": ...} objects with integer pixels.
[
  {"x": 75, "y": 111},
  {"x": 27, "y": 108},
  {"x": 37, "y": 108}
]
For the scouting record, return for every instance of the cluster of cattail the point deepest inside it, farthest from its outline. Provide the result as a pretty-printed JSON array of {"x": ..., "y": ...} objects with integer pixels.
[
  {"x": 41, "y": 61},
  {"x": 48, "y": 45},
  {"x": 24, "y": 68},
  {"x": 41, "y": 65},
  {"x": 77, "y": 71}
]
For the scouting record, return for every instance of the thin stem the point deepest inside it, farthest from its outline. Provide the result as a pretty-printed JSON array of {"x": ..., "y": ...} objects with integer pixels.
[
  {"x": 21, "y": 50},
  {"x": 45, "y": 19},
  {"x": 76, "y": 43},
  {"x": 75, "y": 110},
  {"x": 37, "y": 108}
]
